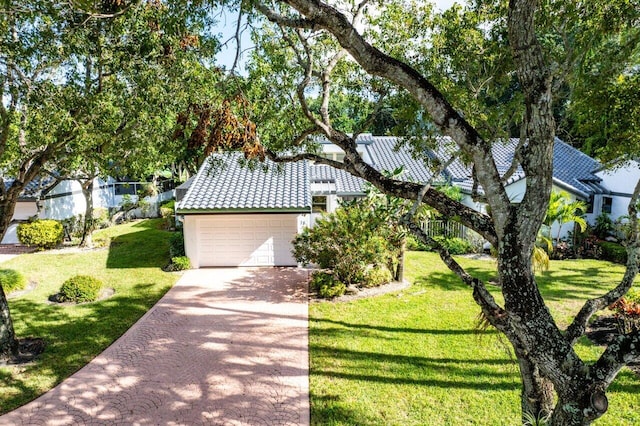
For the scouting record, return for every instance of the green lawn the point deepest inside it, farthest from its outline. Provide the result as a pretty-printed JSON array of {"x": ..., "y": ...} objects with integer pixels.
[
  {"x": 75, "y": 334},
  {"x": 417, "y": 358}
]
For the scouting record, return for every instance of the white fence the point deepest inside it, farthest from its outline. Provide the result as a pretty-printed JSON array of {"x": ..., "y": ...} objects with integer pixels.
[{"x": 446, "y": 228}]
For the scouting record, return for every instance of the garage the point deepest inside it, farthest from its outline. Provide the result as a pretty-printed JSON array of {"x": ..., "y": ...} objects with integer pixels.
[
  {"x": 235, "y": 216},
  {"x": 244, "y": 240}
]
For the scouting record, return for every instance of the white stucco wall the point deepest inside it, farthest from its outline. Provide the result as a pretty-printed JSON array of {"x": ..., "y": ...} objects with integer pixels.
[{"x": 621, "y": 183}]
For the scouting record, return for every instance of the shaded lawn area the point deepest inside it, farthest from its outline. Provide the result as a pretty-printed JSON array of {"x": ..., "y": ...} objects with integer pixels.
[
  {"x": 417, "y": 358},
  {"x": 76, "y": 334}
]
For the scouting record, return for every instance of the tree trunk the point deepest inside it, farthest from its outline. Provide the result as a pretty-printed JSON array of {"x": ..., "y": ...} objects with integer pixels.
[
  {"x": 8, "y": 341},
  {"x": 7, "y": 208},
  {"x": 87, "y": 191},
  {"x": 537, "y": 397}
]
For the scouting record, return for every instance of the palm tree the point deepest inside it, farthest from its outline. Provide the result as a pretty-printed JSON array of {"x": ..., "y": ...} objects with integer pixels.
[{"x": 564, "y": 210}]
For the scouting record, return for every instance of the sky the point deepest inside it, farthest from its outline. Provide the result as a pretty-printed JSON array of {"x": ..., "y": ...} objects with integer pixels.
[{"x": 227, "y": 27}]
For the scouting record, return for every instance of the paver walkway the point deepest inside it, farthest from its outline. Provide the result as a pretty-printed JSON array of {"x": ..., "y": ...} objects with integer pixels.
[{"x": 222, "y": 347}]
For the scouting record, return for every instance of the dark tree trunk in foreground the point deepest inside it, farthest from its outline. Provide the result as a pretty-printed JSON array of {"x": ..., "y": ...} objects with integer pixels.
[
  {"x": 87, "y": 228},
  {"x": 8, "y": 341}
]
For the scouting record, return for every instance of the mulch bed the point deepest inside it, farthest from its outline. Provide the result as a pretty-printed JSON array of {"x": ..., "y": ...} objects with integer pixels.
[
  {"x": 603, "y": 331},
  {"x": 15, "y": 249}
]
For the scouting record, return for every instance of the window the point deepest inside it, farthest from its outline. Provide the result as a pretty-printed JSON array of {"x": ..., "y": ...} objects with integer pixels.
[
  {"x": 319, "y": 204},
  {"x": 590, "y": 204},
  {"x": 607, "y": 203}
]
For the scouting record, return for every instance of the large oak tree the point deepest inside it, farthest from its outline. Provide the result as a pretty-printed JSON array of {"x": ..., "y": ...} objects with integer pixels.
[
  {"x": 93, "y": 88},
  {"x": 473, "y": 80}
]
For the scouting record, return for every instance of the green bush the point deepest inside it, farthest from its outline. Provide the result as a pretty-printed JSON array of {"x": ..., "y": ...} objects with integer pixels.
[
  {"x": 44, "y": 234},
  {"x": 326, "y": 286},
  {"x": 176, "y": 245},
  {"x": 80, "y": 288},
  {"x": 414, "y": 244},
  {"x": 375, "y": 277},
  {"x": 167, "y": 212},
  {"x": 179, "y": 263},
  {"x": 12, "y": 280},
  {"x": 355, "y": 237},
  {"x": 613, "y": 252},
  {"x": 455, "y": 245}
]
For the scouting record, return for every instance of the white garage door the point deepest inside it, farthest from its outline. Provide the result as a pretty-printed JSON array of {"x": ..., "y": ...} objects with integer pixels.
[{"x": 246, "y": 240}]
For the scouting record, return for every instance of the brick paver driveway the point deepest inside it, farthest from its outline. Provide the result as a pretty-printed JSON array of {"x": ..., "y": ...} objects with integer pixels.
[{"x": 223, "y": 347}]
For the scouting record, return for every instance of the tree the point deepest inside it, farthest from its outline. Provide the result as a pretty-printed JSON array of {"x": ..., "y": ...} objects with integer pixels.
[
  {"x": 93, "y": 90},
  {"x": 562, "y": 210},
  {"x": 520, "y": 62}
]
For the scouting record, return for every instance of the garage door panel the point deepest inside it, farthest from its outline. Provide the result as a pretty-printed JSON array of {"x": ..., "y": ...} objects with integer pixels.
[{"x": 246, "y": 240}]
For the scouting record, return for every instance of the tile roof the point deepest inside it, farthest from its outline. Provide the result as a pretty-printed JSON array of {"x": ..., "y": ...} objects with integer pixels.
[
  {"x": 33, "y": 190},
  {"x": 223, "y": 184}
]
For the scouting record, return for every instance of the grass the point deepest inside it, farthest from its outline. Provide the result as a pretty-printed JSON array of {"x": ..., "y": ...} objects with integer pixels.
[
  {"x": 417, "y": 357},
  {"x": 75, "y": 334}
]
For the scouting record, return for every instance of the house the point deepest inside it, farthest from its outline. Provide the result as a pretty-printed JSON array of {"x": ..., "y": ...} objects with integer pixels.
[
  {"x": 47, "y": 198},
  {"x": 236, "y": 216}
]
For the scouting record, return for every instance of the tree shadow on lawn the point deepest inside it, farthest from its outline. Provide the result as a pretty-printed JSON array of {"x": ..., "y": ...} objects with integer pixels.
[
  {"x": 71, "y": 342},
  {"x": 329, "y": 409},
  {"x": 367, "y": 327}
]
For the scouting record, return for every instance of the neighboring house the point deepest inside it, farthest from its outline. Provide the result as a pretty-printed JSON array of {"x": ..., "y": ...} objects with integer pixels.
[
  {"x": 237, "y": 216},
  {"x": 46, "y": 199}
]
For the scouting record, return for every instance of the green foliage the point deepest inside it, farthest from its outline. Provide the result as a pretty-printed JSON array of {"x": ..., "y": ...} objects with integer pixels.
[
  {"x": 349, "y": 240},
  {"x": 44, "y": 234},
  {"x": 613, "y": 252},
  {"x": 633, "y": 295},
  {"x": 413, "y": 244},
  {"x": 167, "y": 212},
  {"x": 375, "y": 277},
  {"x": 12, "y": 280},
  {"x": 325, "y": 285},
  {"x": 562, "y": 209},
  {"x": 80, "y": 288},
  {"x": 455, "y": 245},
  {"x": 179, "y": 263},
  {"x": 176, "y": 244},
  {"x": 604, "y": 226}
]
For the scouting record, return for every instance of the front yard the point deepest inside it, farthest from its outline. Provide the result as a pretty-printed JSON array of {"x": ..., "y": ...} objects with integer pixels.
[
  {"x": 76, "y": 334},
  {"x": 418, "y": 358}
]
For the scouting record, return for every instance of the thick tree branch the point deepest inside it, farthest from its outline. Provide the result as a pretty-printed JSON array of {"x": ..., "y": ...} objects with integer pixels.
[
  {"x": 624, "y": 350},
  {"x": 443, "y": 114}
]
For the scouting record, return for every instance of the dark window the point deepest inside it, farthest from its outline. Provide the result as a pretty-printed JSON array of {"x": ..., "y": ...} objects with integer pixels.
[
  {"x": 607, "y": 203},
  {"x": 125, "y": 188},
  {"x": 590, "y": 204},
  {"x": 319, "y": 204}
]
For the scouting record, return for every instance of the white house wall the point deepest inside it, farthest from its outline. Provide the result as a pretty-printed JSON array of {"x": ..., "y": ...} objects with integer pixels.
[{"x": 621, "y": 183}]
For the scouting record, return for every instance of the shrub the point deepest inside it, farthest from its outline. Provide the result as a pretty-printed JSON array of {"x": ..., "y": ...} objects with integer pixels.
[
  {"x": 176, "y": 245},
  {"x": 80, "y": 288},
  {"x": 414, "y": 244},
  {"x": 325, "y": 285},
  {"x": 604, "y": 226},
  {"x": 179, "y": 263},
  {"x": 12, "y": 280},
  {"x": 348, "y": 241},
  {"x": 375, "y": 277},
  {"x": 613, "y": 252},
  {"x": 455, "y": 245},
  {"x": 167, "y": 211},
  {"x": 44, "y": 234}
]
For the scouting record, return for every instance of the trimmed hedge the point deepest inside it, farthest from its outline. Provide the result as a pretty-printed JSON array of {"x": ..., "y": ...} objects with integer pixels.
[
  {"x": 44, "y": 234},
  {"x": 613, "y": 252},
  {"x": 80, "y": 288},
  {"x": 12, "y": 280}
]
